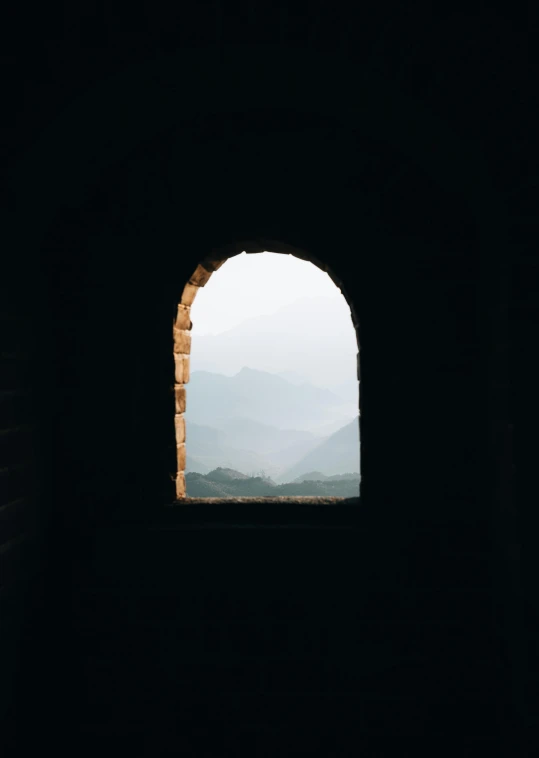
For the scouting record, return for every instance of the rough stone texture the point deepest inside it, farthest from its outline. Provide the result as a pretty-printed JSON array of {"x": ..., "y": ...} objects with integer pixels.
[
  {"x": 180, "y": 485},
  {"x": 301, "y": 499},
  {"x": 200, "y": 276},
  {"x": 182, "y": 341},
  {"x": 182, "y": 350},
  {"x": 179, "y": 423},
  {"x": 183, "y": 317},
  {"x": 214, "y": 264},
  {"x": 180, "y": 457},
  {"x": 189, "y": 294},
  {"x": 180, "y": 398},
  {"x": 181, "y": 370}
]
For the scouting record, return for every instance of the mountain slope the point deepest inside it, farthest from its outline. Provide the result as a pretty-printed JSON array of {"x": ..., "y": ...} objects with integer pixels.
[
  {"x": 246, "y": 445},
  {"x": 316, "y": 476},
  {"x": 292, "y": 340},
  {"x": 194, "y": 465},
  {"x": 208, "y": 448},
  {"x": 338, "y": 454},
  {"x": 264, "y": 438},
  {"x": 214, "y": 399},
  {"x": 224, "y": 483}
]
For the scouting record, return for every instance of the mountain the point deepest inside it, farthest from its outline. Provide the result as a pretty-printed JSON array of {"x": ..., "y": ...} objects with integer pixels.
[
  {"x": 215, "y": 399},
  {"x": 291, "y": 453},
  {"x": 264, "y": 438},
  {"x": 247, "y": 445},
  {"x": 312, "y": 338},
  {"x": 225, "y": 483},
  {"x": 292, "y": 376},
  {"x": 255, "y": 421},
  {"x": 327, "y": 429},
  {"x": 317, "y": 476},
  {"x": 208, "y": 448},
  {"x": 193, "y": 464},
  {"x": 338, "y": 454},
  {"x": 225, "y": 475}
]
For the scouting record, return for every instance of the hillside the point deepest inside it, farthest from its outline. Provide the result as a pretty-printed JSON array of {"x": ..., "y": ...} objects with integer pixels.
[
  {"x": 225, "y": 483},
  {"x": 290, "y": 341},
  {"x": 317, "y": 476},
  {"x": 214, "y": 399},
  {"x": 193, "y": 464},
  {"x": 259, "y": 422},
  {"x": 208, "y": 448},
  {"x": 245, "y": 445},
  {"x": 338, "y": 454},
  {"x": 265, "y": 438}
]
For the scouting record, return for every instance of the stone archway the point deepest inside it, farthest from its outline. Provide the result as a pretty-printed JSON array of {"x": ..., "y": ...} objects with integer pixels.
[{"x": 182, "y": 331}]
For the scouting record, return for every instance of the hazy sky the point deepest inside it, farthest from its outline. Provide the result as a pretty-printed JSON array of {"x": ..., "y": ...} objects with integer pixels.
[{"x": 255, "y": 285}]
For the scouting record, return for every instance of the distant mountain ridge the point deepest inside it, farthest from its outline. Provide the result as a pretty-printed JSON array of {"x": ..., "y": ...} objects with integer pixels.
[
  {"x": 259, "y": 422},
  {"x": 246, "y": 446},
  {"x": 317, "y": 476},
  {"x": 208, "y": 448},
  {"x": 273, "y": 394},
  {"x": 245, "y": 432},
  {"x": 213, "y": 399},
  {"x": 313, "y": 338},
  {"x": 338, "y": 454},
  {"x": 223, "y": 483}
]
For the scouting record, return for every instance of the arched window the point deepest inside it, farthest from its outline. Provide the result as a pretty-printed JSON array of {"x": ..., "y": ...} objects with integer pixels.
[{"x": 266, "y": 382}]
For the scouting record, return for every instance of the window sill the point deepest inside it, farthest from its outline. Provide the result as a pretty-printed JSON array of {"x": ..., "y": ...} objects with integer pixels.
[
  {"x": 261, "y": 512},
  {"x": 294, "y": 499}
]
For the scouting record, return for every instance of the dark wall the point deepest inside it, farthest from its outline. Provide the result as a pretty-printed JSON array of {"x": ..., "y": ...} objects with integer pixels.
[
  {"x": 390, "y": 181},
  {"x": 116, "y": 266}
]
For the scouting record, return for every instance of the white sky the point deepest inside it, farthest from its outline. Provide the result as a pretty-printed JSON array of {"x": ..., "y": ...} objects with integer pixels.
[{"x": 254, "y": 285}]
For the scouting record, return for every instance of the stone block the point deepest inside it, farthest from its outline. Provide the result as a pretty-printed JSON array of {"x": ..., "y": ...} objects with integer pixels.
[
  {"x": 183, "y": 317},
  {"x": 214, "y": 265},
  {"x": 180, "y": 457},
  {"x": 200, "y": 276},
  {"x": 182, "y": 341},
  {"x": 181, "y": 368},
  {"x": 180, "y": 485},
  {"x": 179, "y": 398},
  {"x": 189, "y": 294},
  {"x": 179, "y": 424}
]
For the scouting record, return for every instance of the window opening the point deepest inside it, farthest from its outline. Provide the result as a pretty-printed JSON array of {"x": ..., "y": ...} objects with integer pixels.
[{"x": 267, "y": 390}]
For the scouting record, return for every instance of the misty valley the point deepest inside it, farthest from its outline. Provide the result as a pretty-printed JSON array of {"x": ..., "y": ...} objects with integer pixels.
[
  {"x": 272, "y": 400},
  {"x": 258, "y": 434}
]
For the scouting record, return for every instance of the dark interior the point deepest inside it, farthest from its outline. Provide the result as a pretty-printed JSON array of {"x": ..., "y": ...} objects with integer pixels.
[{"x": 131, "y": 624}]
